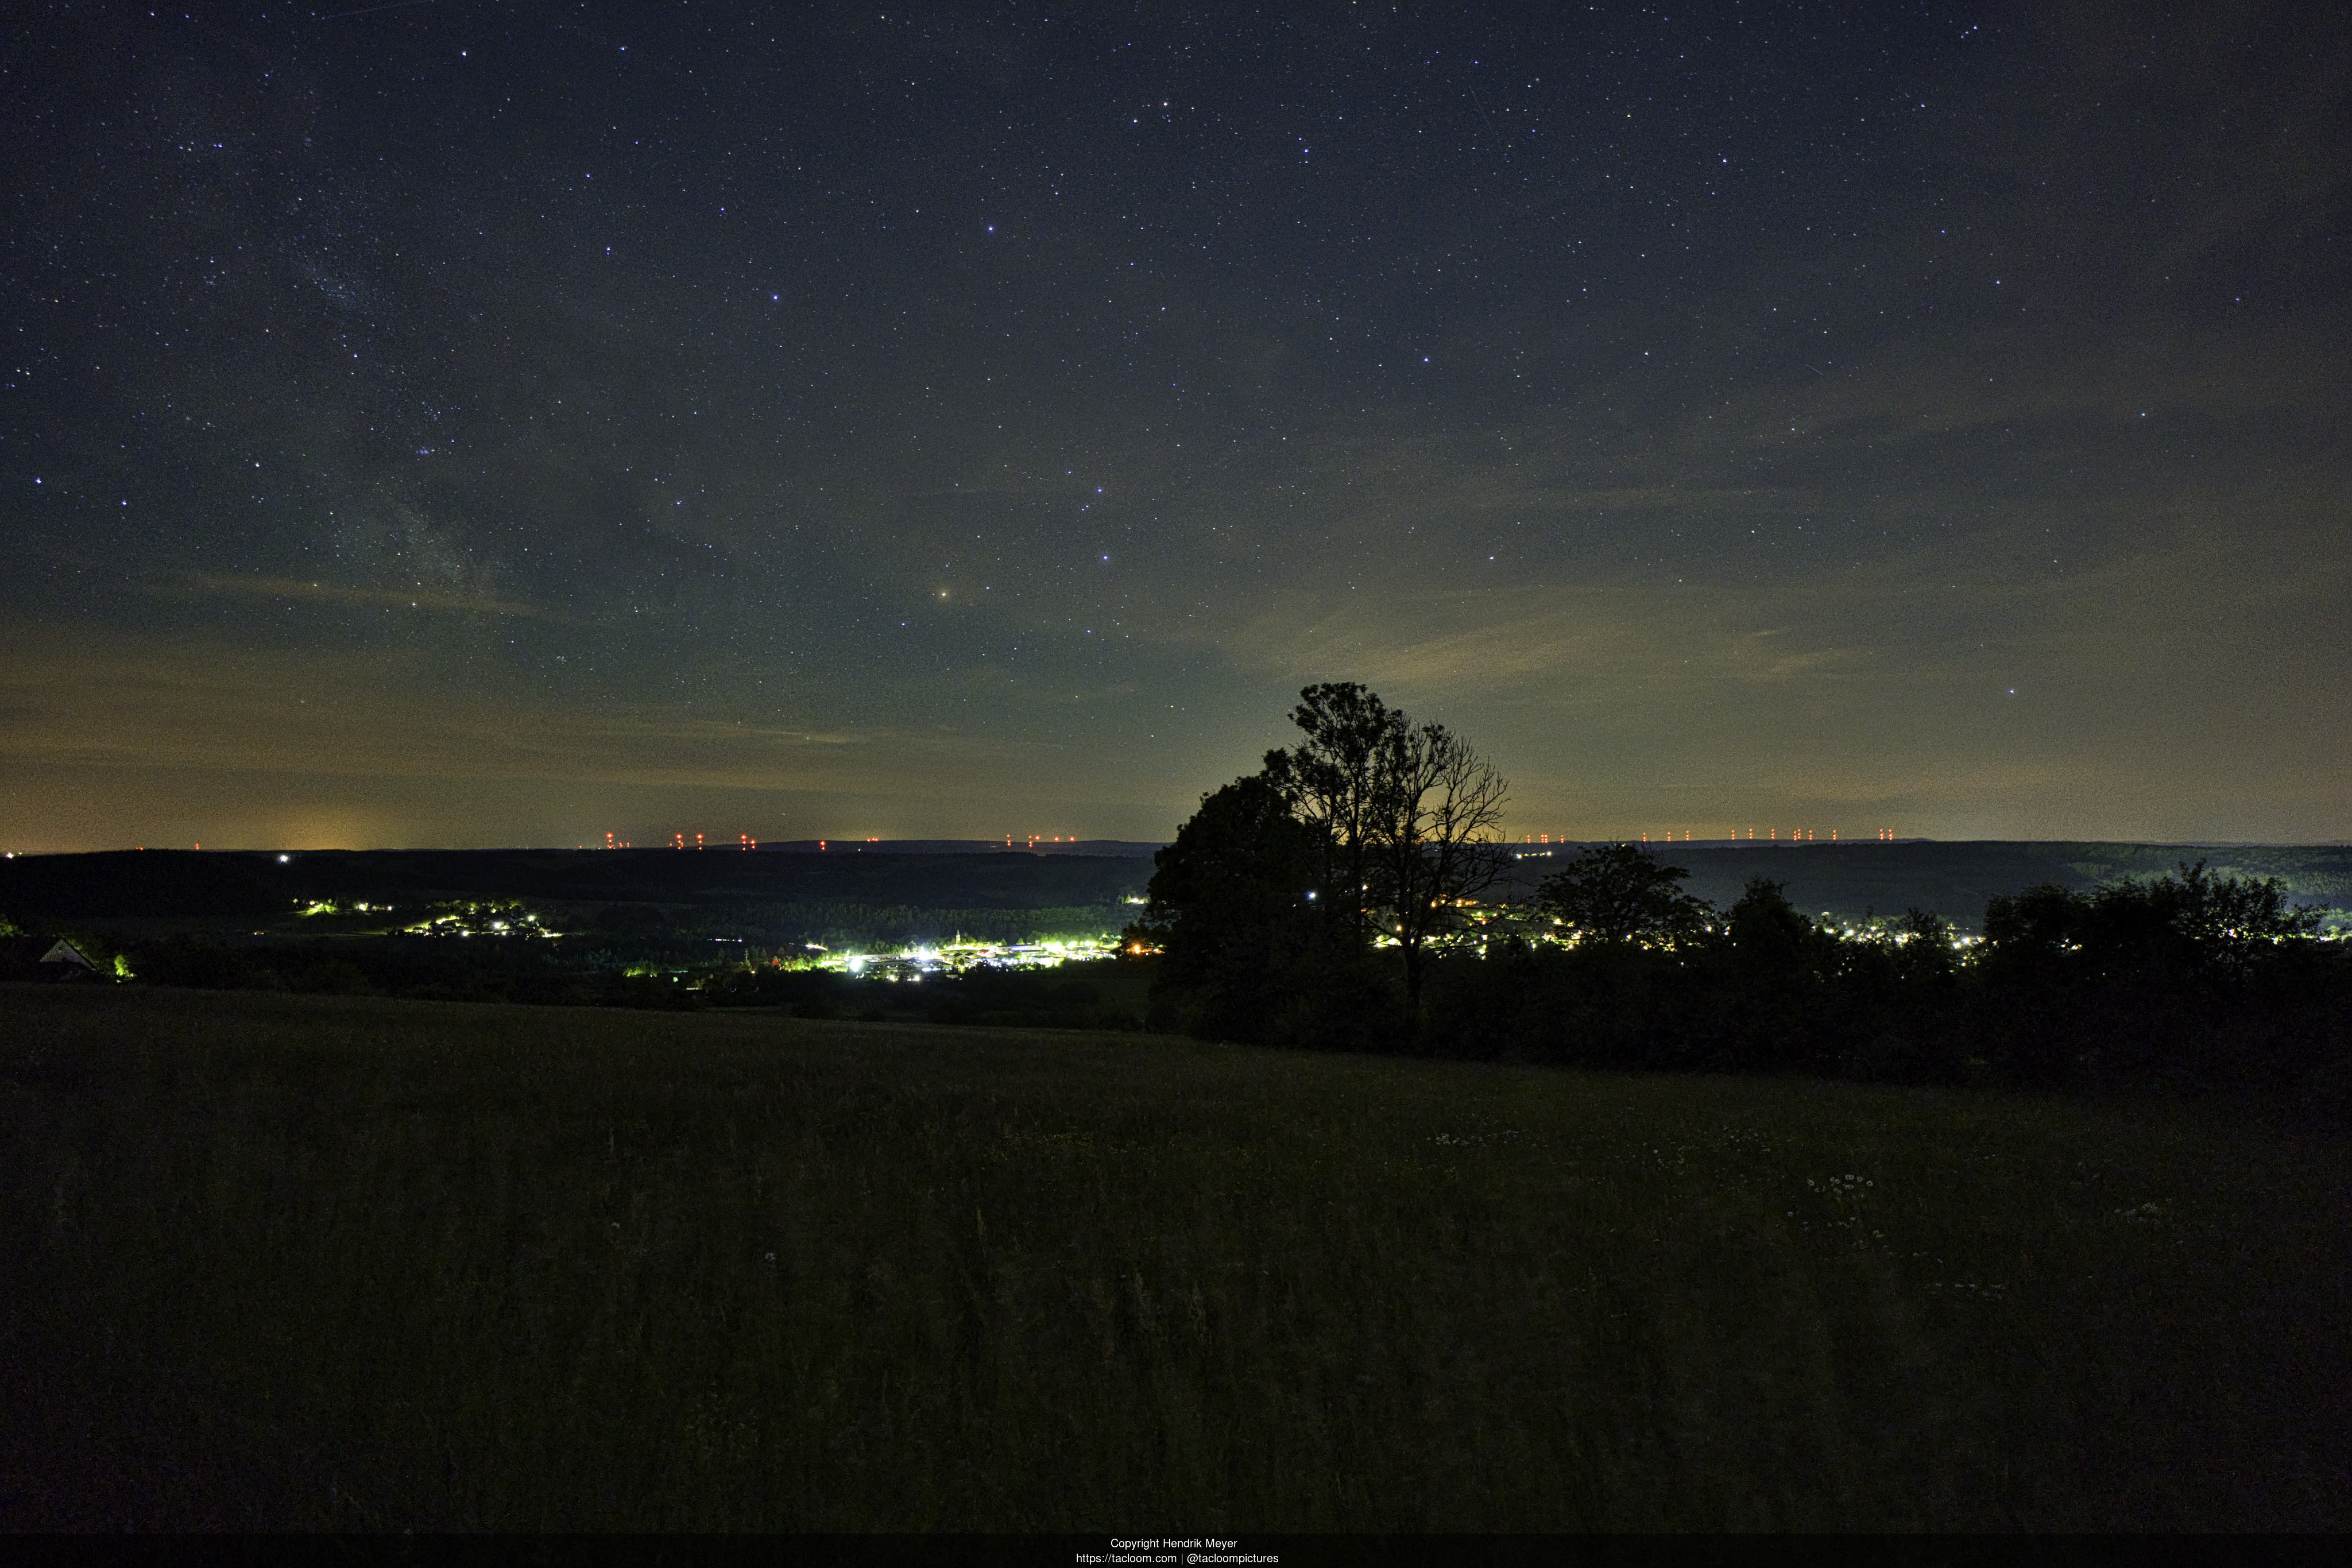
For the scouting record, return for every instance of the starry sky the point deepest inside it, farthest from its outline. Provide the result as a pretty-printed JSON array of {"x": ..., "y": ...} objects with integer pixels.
[{"x": 496, "y": 422}]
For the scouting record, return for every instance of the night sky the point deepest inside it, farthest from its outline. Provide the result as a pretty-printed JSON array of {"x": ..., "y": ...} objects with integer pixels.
[{"x": 474, "y": 423}]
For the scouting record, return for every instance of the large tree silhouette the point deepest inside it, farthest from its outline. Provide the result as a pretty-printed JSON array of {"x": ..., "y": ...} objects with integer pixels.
[
  {"x": 1334, "y": 781},
  {"x": 1230, "y": 907},
  {"x": 1406, "y": 814},
  {"x": 1622, "y": 895}
]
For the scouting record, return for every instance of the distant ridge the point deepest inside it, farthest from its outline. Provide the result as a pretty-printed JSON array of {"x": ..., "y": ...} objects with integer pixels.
[
  {"x": 1954, "y": 877},
  {"x": 1848, "y": 879},
  {"x": 1108, "y": 849},
  {"x": 159, "y": 883}
]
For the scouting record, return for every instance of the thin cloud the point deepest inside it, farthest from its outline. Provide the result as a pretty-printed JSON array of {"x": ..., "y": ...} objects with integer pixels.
[
  {"x": 157, "y": 705},
  {"x": 325, "y": 593}
]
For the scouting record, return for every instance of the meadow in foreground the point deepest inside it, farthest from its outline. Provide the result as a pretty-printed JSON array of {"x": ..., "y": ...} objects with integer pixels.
[{"x": 331, "y": 1262}]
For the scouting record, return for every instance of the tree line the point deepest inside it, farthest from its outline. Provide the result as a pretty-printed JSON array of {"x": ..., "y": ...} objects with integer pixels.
[{"x": 1336, "y": 898}]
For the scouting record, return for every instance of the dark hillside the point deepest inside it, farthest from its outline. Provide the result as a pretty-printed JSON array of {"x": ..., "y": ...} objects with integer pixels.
[
  {"x": 1848, "y": 879},
  {"x": 344, "y": 1264},
  {"x": 181, "y": 882},
  {"x": 1954, "y": 880}
]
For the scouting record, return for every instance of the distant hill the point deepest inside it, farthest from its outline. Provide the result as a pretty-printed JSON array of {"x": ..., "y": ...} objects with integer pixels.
[
  {"x": 1955, "y": 879},
  {"x": 1847, "y": 880},
  {"x": 186, "y": 882},
  {"x": 1111, "y": 849}
]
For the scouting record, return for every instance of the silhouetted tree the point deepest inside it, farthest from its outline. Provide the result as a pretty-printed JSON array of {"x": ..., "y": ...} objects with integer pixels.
[
  {"x": 1923, "y": 949},
  {"x": 1409, "y": 812},
  {"x": 2193, "y": 927},
  {"x": 1767, "y": 932},
  {"x": 2206, "y": 927},
  {"x": 1436, "y": 851},
  {"x": 1782, "y": 965},
  {"x": 1229, "y": 904},
  {"x": 2154, "y": 980},
  {"x": 1621, "y": 894},
  {"x": 1338, "y": 780}
]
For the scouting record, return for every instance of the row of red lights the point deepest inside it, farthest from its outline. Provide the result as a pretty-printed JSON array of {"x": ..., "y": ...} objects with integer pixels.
[
  {"x": 677, "y": 841},
  {"x": 1771, "y": 835},
  {"x": 746, "y": 842}
]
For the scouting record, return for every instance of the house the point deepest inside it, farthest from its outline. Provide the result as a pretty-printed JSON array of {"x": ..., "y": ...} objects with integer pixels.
[{"x": 45, "y": 959}]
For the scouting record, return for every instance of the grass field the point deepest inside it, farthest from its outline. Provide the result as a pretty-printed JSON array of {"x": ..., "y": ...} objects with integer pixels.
[{"x": 326, "y": 1261}]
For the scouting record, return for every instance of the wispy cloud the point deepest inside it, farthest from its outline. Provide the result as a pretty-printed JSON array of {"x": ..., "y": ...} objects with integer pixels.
[
  {"x": 155, "y": 705},
  {"x": 204, "y": 584}
]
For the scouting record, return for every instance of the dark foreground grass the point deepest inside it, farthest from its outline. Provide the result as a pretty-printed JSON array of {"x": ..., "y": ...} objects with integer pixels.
[{"x": 344, "y": 1262}]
